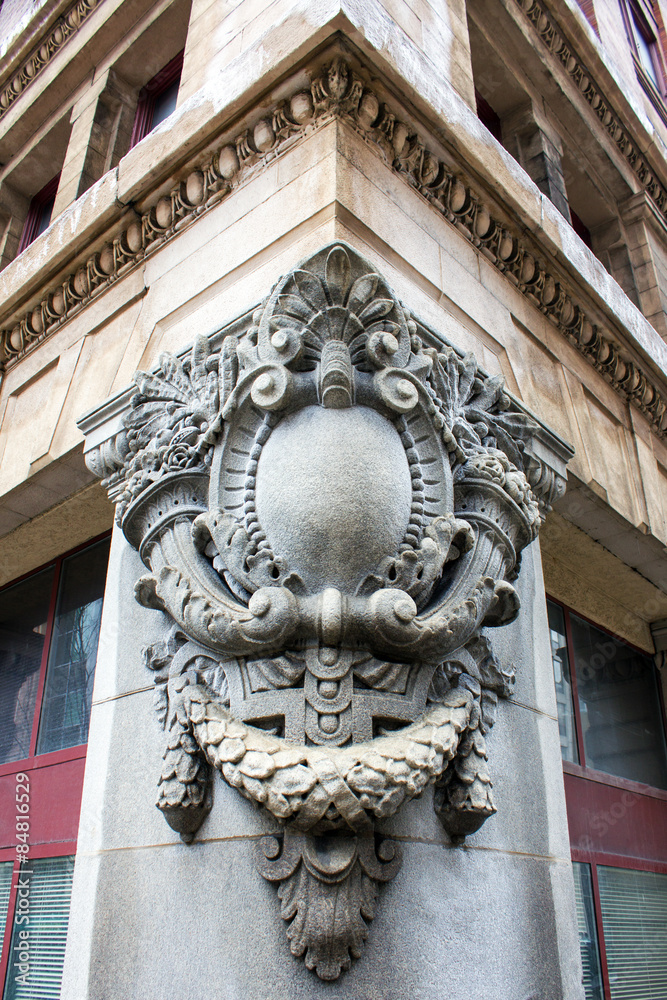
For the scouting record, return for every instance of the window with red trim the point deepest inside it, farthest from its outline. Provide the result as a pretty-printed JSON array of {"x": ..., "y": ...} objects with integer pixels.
[
  {"x": 612, "y": 732},
  {"x": 39, "y": 213},
  {"x": 49, "y": 631},
  {"x": 643, "y": 34},
  {"x": 157, "y": 99}
]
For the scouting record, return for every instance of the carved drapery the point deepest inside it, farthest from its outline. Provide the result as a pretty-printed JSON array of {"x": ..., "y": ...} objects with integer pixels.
[{"x": 330, "y": 512}]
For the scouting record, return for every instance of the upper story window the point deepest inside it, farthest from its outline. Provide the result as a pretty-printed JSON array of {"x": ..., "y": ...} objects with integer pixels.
[
  {"x": 157, "y": 99},
  {"x": 642, "y": 30},
  {"x": 39, "y": 213},
  {"x": 588, "y": 8},
  {"x": 488, "y": 117}
]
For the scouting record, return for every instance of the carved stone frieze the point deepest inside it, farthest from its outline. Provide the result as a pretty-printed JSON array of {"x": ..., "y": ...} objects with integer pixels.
[
  {"x": 330, "y": 511},
  {"x": 59, "y": 33},
  {"x": 340, "y": 92}
]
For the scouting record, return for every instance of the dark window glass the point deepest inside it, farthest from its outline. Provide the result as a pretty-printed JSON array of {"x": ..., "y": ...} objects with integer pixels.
[
  {"x": 619, "y": 705},
  {"x": 39, "y": 213},
  {"x": 561, "y": 664},
  {"x": 488, "y": 117},
  {"x": 24, "y": 610},
  {"x": 582, "y": 231},
  {"x": 588, "y": 938},
  {"x": 49, "y": 892},
  {"x": 634, "y": 920},
  {"x": 165, "y": 103},
  {"x": 73, "y": 652},
  {"x": 44, "y": 216},
  {"x": 157, "y": 99}
]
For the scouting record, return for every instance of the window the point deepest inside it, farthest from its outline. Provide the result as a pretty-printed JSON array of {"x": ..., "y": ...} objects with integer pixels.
[
  {"x": 488, "y": 117},
  {"x": 609, "y": 705},
  {"x": 49, "y": 627},
  {"x": 642, "y": 31},
  {"x": 588, "y": 936},
  {"x": 37, "y": 945},
  {"x": 157, "y": 99},
  {"x": 582, "y": 231},
  {"x": 612, "y": 735},
  {"x": 39, "y": 213},
  {"x": 49, "y": 631}
]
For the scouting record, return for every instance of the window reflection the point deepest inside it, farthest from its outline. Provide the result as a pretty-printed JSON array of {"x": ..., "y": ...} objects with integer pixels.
[
  {"x": 561, "y": 665},
  {"x": 73, "y": 653},
  {"x": 24, "y": 610},
  {"x": 619, "y": 705}
]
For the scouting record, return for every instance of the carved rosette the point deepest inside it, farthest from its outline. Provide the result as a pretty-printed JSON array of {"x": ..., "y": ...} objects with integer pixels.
[{"x": 329, "y": 512}]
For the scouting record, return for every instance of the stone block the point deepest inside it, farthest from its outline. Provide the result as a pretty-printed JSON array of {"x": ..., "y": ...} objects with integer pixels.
[
  {"x": 126, "y": 627},
  {"x": 531, "y": 817},
  {"x": 486, "y": 924},
  {"x": 118, "y": 809}
]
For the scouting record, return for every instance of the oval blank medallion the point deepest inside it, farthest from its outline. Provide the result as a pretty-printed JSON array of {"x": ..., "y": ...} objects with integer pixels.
[{"x": 333, "y": 494}]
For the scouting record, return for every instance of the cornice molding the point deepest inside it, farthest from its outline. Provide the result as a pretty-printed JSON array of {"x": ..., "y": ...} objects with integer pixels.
[
  {"x": 340, "y": 93},
  {"x": 42, "y": 53},
  {"x": 555, "y": 41}
]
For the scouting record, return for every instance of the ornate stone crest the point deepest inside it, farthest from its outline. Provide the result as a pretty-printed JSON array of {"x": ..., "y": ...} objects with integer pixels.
[{"x": 330, "y": 511}]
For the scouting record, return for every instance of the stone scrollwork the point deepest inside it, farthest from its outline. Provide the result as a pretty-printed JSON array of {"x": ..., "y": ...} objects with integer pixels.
[{"x": 330, "y": 511}]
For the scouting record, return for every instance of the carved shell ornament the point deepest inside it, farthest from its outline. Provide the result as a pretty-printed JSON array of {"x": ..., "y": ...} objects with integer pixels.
[{"x": 330, "y": 512}]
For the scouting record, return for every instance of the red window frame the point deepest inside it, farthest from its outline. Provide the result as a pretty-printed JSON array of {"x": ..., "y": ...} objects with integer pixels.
[
  {"x": 42, "y": 198},
  {"x": 55, "y": 779},
  {"x": 612, "y": 821},
  {"x": 149, "y": 94}
]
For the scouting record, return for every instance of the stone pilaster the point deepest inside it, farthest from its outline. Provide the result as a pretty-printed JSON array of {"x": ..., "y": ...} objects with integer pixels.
[
  {"x": 533, "y": 141},
  {"x": 101, "y": 129}
]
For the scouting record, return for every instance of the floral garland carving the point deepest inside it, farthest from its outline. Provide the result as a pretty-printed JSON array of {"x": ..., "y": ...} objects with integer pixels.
[
  {"x": 610, "y": 120},
  {"x": 42, "y": 54},
  {"x": 340, "y": 92}
]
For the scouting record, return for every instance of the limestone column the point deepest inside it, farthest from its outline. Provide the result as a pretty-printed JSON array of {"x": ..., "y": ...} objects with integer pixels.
[
  {"x": 645, "y": 235},
  {"x": 535, "y": 144},
  {"x": 101, "y": 129}
]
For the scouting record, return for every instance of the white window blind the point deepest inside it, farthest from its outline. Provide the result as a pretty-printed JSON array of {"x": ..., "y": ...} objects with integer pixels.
[
  {"x": 6, "y": 869},
  {"x": 634, "y": 919},
  {"x": 588, "y": 939},
  {"x": 50, "y": 889}
]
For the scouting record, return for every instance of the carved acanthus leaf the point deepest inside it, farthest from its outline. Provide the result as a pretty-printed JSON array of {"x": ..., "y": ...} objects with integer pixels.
[
  {"x": 174, "y": 420},
  {"x": 328, "y": 888}
]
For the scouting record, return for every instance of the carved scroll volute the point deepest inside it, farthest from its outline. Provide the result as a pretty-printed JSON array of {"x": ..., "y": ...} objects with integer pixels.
[{"x": 329, "y": 511}]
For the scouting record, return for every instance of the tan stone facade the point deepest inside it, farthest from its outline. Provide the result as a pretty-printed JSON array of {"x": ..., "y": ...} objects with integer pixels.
[{"x": 256, "y": 168}]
